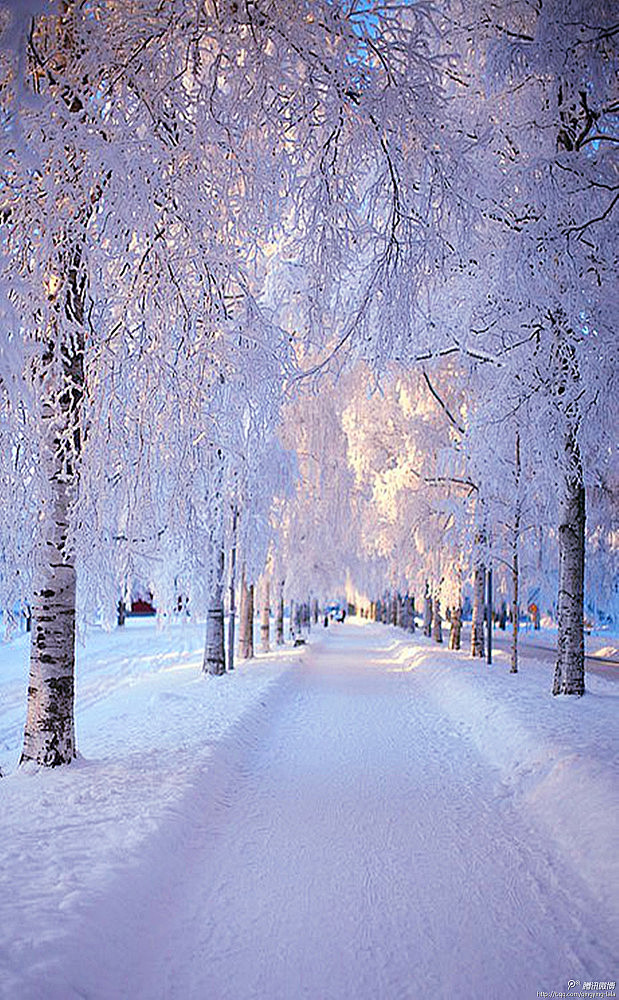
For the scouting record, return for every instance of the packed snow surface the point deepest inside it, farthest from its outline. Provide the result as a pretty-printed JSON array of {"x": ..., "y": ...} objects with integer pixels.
[{"x": 369, "y": 817}]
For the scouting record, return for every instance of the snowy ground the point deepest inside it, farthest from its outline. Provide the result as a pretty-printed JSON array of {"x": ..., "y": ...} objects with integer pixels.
[{"x": 370, "y": 817}]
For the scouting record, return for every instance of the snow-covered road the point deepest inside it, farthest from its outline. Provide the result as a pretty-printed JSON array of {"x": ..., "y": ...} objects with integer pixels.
[{"x": 347, "y": 842}]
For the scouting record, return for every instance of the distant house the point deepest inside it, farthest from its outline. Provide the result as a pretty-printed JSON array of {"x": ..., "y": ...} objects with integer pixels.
[{"x": 143, "y": 606}]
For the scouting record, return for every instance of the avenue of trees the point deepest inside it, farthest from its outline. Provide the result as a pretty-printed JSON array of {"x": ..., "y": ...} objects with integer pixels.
[{"x": 300, "y": 297}]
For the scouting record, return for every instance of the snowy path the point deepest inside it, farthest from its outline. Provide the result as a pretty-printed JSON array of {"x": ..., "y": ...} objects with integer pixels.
[{"x": 348, "y": 842}]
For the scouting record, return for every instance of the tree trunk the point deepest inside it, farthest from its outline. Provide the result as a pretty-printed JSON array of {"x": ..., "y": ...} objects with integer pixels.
[
  {"x": 437, "y": 624},
  {"x": 515, "y": 605},
  {"x": 249, "y": 623},
  {"x": 232, "y": 592},
  {"x": 394, "y": 608},
  {"x": 477, "y": 625},
  {"x": 427, "y": 613},
  {"x": 569, "y": 675},
  {"x": 120, "y": 613},
  {"x": 300, "y": 617},
  {"x": 265, "y": 614},
  {"x": 399, "y": 612},
  {"x": 214, "y": 649},
  {"x": 243, "y": 617},
  {"x": 455, "y": 632},
  {"x": 411, "y": 611},
  {"x": 279, "y": 617},
  {"x": 49, "y": 736}
]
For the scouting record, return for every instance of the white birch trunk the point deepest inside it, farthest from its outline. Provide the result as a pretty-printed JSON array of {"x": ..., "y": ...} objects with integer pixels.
[
  {"x": 49, "y": 737},
  {"x": 427, "y": 614},
  {"x": 515, "y": 606},
  {"x": 265, "y": 614},
  {"x": 477, "y": 625},
  {"x": 516, "y": 564},
  {"x": 569, "y": 675},
  {"x": 214, "y": 648}
]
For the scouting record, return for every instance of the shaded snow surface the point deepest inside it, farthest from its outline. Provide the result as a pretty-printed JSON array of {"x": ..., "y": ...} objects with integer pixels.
[{"x": 367, "y": 818}]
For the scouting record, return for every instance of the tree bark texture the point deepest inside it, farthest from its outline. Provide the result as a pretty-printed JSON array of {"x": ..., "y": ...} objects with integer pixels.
[
  {"x": 214, "y": 648},
  {"x": 515, "y": 605},
  {"x": 49, "y": 737},
  {"x": 569, "y": 675},
  {"x": 477, "y": 625},
  {"x": 248, "y": 650},
  {"x": 516, "y": 564}
]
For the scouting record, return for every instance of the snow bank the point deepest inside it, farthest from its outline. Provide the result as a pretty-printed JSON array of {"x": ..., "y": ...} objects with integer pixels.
[
  {"x": 148, "y": 722},
  {"x": 557, "y": 756}
]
